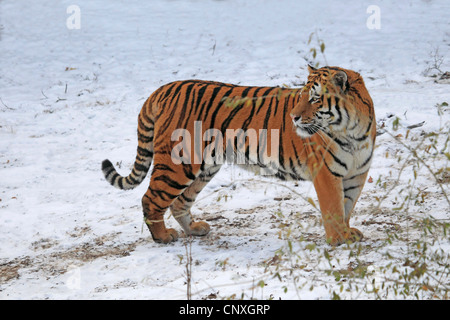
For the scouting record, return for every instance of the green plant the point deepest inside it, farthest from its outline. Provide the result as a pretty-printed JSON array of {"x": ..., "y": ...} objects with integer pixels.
[
  {"x": 411, "y": 261},
  {"x": 317, "y": 45}
]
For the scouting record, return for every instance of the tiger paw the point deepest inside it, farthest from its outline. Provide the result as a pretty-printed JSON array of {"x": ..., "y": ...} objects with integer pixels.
[
  {"x": 199, "y": 228},
  {"x": 166, "y": 236},
  {"x": 351, "y": 235},
  {"x": 354, "y": 235}
]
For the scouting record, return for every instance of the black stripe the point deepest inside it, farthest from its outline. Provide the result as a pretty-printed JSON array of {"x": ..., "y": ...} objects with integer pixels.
[
  {"x": 171, "y": 113},
  {"x": 186, "y": 199},
  {"x": 168, "y": 90},
  {"x": 140, "y": 167},
  {"x": 110, "y": 170},
  {"x": 346, "y": 113},
  {"x": 336, "y": 159},
  {"x": 213, "y": 116},
  {"x": 355, "y": 91},
  {"x": 247, "y": 152},
  {"x": 356, "y": 175},
  {"x": 190, "y": 111},
  {"x": 275, "y": 106},
  {"x": 201, "y": 109},
  {"x": 145, "y": 116},
  {"x": 291, "y": 165},
  {"x": 366, "y": 134},
  {"x": 141, "y": 159},
  {"x": 178, "y": 89},
  {"x": 130, "y": 180},
  {"x": 339, "y": 119},
  {"x": 171, "y": 183},
  {"x": 351, "y": 188},
  {"x": 135, "y": 175},
  {"x": 210, "y": 103},
  {"x": 326, "y": 112},
  {"x": 330, "y": 102},
  {"x": 344, "y": 145},
  {"x": 264, "y": 96},
  {"x": 291, "y": 103},
  {"x": 355, "y": 125},
  {"x": 182, "y": 111},
  {"x": 295, "y": 151},
  {"x": 164, "y": 195},
  {"x": 164, "y": 105},
  {"x": 200, "y": 94},
  {"x": 163, "y": 167},
  {"x": 230, "y": 117},
  {"x": 187, "y": 169},
  {"x": 366, "y": 161},
  {"x": 154, "y": 204},
  {"x": 326, "y": 165},
  {"x": 280, "y": 175},
  {"x": 143, "y": 126},
  {"x": 331, "y": 171},
  {"x": 144, "y": 152},
  {"x": 294, "y": 176},
  {"x": 281, "y": 151},
  {"x": 245, "y": 92},
  {"x": 269, "y": 110},
  {"x": 113, "y": 179},
  {"x": 144, "y": 138},
  {"x": 250, "y": 117},
  {"x": 296, "y": 155}
]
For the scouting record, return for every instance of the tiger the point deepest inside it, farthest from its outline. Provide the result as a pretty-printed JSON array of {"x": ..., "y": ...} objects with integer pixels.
[{"x": 326, "y": 135}]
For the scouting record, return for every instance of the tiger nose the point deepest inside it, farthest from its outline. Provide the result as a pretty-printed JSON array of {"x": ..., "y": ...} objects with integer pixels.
[{"x": 296, "y": 118}]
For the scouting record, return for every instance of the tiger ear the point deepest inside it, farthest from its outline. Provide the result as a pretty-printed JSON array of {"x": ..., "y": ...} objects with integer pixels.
[
  {"x": 340, "y": 80},
  {"x": 311, "y": 69}
]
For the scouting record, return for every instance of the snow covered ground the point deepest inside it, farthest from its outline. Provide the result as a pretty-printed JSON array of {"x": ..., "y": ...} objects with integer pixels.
[{"x": 70, "y": 98}]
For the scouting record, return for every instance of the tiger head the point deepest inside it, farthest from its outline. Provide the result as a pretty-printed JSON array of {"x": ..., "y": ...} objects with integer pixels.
[{"x": 321, "y": 98}]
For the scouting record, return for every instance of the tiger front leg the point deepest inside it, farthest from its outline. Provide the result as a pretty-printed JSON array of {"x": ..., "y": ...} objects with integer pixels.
[
  {"x": 330, "y": 192},
  {"x": 352, "y": 190},
  {"x": 182, "y": 205}
]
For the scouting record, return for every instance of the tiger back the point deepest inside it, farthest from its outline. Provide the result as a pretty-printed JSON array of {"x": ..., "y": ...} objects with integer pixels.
[{"x": 324, "y": 132}]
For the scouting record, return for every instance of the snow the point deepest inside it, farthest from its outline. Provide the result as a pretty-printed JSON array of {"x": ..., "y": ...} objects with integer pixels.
[{"x": 70, "y": 99}]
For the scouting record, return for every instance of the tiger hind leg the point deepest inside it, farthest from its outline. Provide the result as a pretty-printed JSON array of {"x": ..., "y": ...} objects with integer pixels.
[
  {"x": 182, "y": 205},
  {"x": 154, "y": 218},
  {"x": 167, "y": 183}
]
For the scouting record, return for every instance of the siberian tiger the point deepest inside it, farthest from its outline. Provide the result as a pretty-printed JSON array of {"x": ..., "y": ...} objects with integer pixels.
[{"x": 325, "y": 132}]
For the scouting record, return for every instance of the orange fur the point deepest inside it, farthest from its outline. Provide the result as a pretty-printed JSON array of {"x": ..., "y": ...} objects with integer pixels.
[{"x": 326, "y": 135}]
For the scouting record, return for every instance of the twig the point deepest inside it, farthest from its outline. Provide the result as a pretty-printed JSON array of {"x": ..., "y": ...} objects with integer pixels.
[
  {"x": 413, "y": 152},
  {"x": 214, "y": 47},
  {"x": 417, "y": 125},
  {"x": 6, "y": 105},
  {"x": 188, "y": 266}
]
